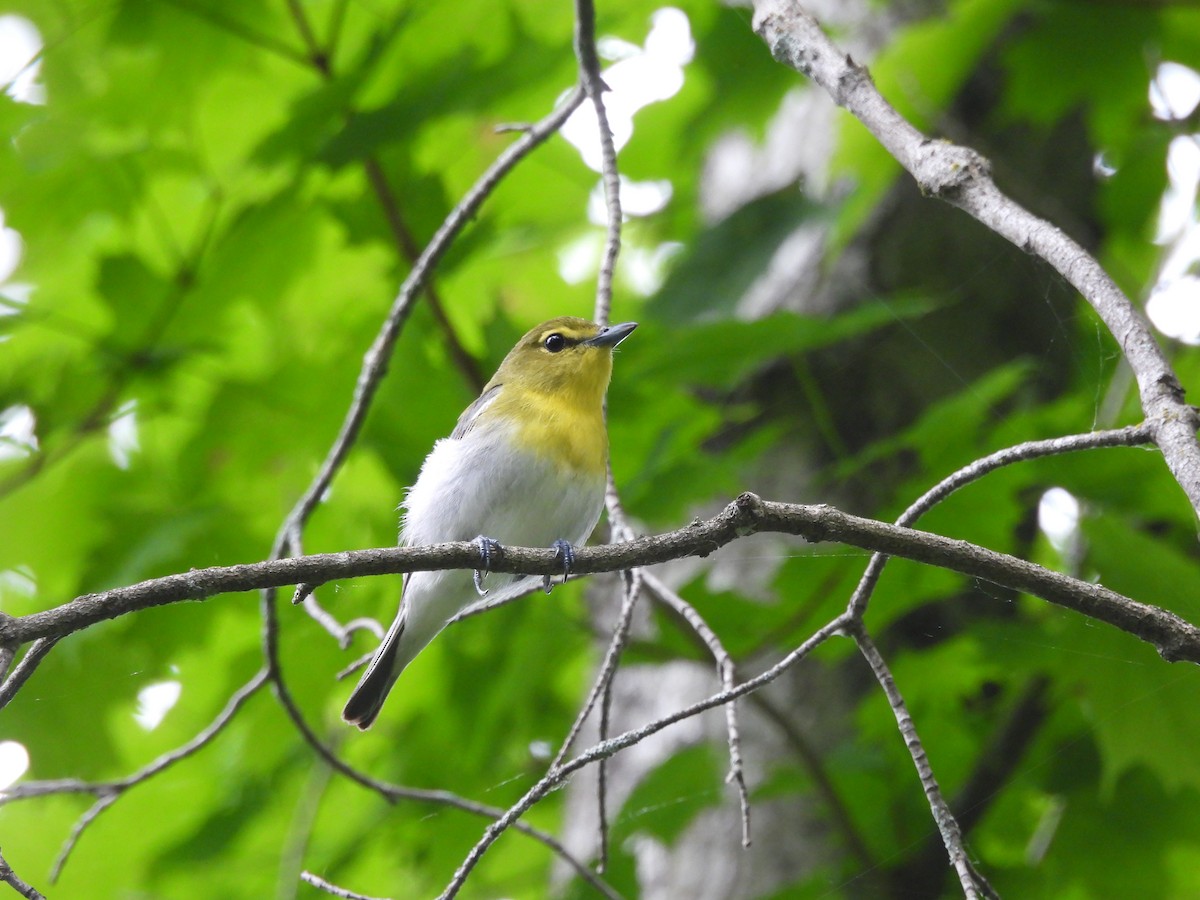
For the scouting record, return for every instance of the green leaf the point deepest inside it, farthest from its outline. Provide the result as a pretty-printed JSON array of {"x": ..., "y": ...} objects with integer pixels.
[
  {"x": 722, "y": 263},
  {"x": 726, "y": 351},
  {"x": 1142, "y": 709}
]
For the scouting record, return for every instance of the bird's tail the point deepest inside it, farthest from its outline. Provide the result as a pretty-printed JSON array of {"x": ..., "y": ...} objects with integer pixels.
[{"x": 372, "y": 689}]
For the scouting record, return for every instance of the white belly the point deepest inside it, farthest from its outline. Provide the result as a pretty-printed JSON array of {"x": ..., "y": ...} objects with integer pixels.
[{"x": 480, "y": 485}]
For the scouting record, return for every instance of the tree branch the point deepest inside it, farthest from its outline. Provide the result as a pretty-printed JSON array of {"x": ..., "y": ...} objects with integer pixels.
[
  {"x": 29, "y": 662},
  {"x": 467, "y": 364},
  {"x": 108, "y": 792},
  {"x": 321, "y": 884},
  {"x": 973, "y": 884},
  {"x": 612, "y": 746},
  {"x": 394, "y": 792},
  {"x": 14, "y": 881},
  {"x": 593, "y": 84},
  {"x": 1175, "y": 638},
  {"x": 1131, "y": 436},
  {"x": 725, "y": 671},
  {"x": 962, "y": 177},
  {"x": 924, "y": 872}
]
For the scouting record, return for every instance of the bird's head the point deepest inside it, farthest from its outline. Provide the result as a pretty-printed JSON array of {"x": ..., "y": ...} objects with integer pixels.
[{"x": 566, "y": 356}]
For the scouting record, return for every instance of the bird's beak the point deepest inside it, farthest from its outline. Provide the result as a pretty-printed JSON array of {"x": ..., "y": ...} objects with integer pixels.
[{"x": 611, "y": 335}]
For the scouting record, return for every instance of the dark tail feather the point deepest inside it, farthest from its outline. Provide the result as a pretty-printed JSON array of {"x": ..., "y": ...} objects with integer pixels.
[{"x": 372, "y": 689}]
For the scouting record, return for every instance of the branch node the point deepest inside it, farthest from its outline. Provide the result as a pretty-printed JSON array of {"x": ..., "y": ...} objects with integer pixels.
[
  {"x": 770, "y": 21},
  {"x": 944, "y": 170},
  {"x": 746, "y": 512},
  {"x": 303, "y": 591},
  {"x": 850, "y": 78}
]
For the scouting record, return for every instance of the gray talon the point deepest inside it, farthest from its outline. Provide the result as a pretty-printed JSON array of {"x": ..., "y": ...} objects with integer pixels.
[
  {"x": 567, "y": 552},
  {"x": 487, "y": 547}
]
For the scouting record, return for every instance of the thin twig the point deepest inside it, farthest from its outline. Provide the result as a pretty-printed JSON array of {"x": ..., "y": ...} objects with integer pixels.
[
  {"x": 108, "y": 792},
  {"x": 375, "y": 361},
  {"x": 318, "y": 882},
  {"x": 600, "y": 688},
  {"x": 341, "y": 633},
  {"x": 602, "y": 827},
  {"x": 612, "y": 746},
  {"x": 923, "y": 873},
  {"x": 344, "y": 673},
  {"x": 1131, "y": 436},
  {"x": 725, "y": 671},
  {"x": 973, "y": 884},
  {"x": 634, "y": 580},
  {"x": 14, "y": 881},
  {"x": 593, "y": 84},
  {"x": 467, "y": 364},
  {"x": 81, "y": 825},
  {"x": 394, "y": 792},
  {"x": 29, "y": 662}
]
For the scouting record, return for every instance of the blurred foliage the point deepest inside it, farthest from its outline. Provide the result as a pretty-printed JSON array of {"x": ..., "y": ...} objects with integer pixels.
[{"x": 210, "y": 260}]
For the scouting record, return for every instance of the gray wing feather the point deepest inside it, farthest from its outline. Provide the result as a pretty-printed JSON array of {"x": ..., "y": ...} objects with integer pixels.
[{"x": 467, "y": 420}]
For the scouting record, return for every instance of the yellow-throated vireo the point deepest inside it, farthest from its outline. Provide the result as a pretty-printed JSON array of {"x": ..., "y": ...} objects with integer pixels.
[{"x": 524, "y": 466}]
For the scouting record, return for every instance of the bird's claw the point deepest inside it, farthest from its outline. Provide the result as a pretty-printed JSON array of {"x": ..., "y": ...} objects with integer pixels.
[
  {"x": 567, "y": 553},
  {"x": 487, "y": 548}
]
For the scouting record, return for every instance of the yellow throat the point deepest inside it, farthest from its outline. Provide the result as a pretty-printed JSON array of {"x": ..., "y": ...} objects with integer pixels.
[{"x": 554, "y": 382}]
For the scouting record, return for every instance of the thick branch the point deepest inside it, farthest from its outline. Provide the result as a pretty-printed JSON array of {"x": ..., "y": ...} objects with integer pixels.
[
  {"x": 962, "y": 177},
  {"x": 1175, "y": 638}
]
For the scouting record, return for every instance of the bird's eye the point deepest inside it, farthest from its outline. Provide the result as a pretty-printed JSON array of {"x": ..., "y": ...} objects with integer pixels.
[{"x": 555, "y": 342}]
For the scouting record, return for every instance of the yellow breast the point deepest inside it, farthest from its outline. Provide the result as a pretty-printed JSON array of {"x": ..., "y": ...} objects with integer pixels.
[{"x": 558, "y": 428}]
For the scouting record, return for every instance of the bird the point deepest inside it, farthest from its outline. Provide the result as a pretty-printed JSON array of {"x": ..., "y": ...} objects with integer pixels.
[{"x": 526, "y": 465}]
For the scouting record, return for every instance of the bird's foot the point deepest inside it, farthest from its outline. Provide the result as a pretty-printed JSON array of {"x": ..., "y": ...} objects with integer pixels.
[
  {"x": 488, "y": 547},
  {"x": 565, "y": 552}
]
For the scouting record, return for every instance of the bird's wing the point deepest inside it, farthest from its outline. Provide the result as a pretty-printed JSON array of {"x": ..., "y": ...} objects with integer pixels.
[{"x": 471, "y": 414}]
